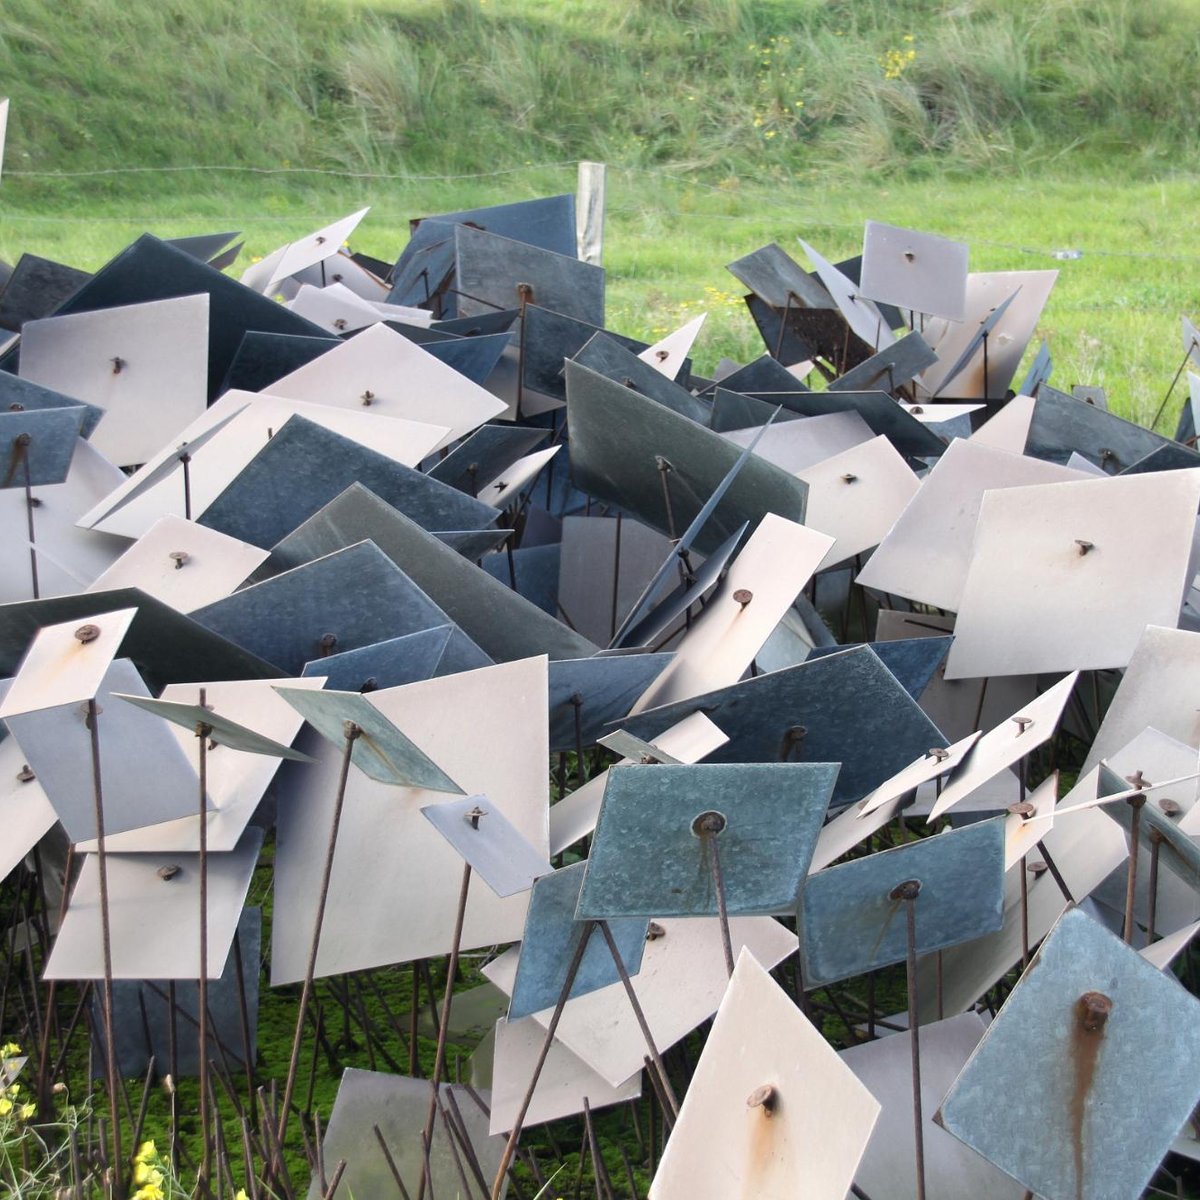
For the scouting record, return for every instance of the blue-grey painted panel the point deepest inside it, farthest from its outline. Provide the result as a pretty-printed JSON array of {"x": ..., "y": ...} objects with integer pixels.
[
  {"x": 535, "y": 570},
  {"x": 17, "y": 394},
  {"x": 51, "y": 434},
  {"x": 397, "y": 661},
  {"x": 607, "y": 687},
  {"x": 609, "y": 358},
  {"x": 484, "y": 454},
  {"x": 913, "y": 661}
]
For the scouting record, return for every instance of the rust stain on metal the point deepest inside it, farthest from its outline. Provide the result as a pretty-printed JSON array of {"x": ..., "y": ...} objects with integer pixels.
[
  {"x": 762, "y": 1146},
  {"x": 1087, "y": 1035}
]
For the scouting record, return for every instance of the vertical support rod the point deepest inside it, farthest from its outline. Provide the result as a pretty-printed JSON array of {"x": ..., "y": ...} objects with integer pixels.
[
  {"x": 203, "y": 732},
  {"x": 1135, "y": 803},
  {"x": 907, "y": 892}
]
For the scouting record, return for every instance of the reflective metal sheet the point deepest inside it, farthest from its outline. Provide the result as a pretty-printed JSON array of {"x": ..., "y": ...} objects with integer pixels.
[
  {"x": 913, "y": 270},
  {"x": 816, "y": 1128},
  {"x": 505, "y": 490},
  {"x": 1063, "y": 423},
  {"x": 913, "y": 661},
  {"x": 380, "y": 750},
  {"x": 154, "y": 915},
  {"x": 1105, "y": 1095},
  {"x": 846, "y": 708},
  {"x": 804, "y": 442},
  {"x": 669, "y": 355},
  {"x": 850, "y": 923},
  {"x": 1009, "y": 428},
  {"x": 609, "y": 358},
  {"x": 772, "y": 274},
  {"x": 391, "y": 663},
  {"x": 145, "y": 365},
  {"x": 397, "y": 1105},
  {"x": 649, "y": 858},
  {"x": 182, "y": 564},
  {"x": 860, "y": 313},
  {"x": 1021, "y": 835},
  {"x": 335, "y": 308},
  {"x": 489, "y": 843},
  {"x": 551, "y": 939},
  {"x": 484, "y": 454},
  {"x": 1098, "y": 561},
  {"x": 606, "y": 689},
  {"x": 40, "y": 439},
  {"x": 922, "y": 770}
]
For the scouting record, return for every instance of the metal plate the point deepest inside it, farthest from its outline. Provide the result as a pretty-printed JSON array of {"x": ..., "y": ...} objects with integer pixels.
[
  {"x": 262, "y": 358},
  {"x": 305, "y": 466},
  {"x": 574, "y": 816},
  {"x": 336, "y": 308},
  {"x": 505, "y": 490},
  {"x": 763, "y": 374},
  {"x": 1063, "y": 424},
  {"x": 1031, "y": 726},
  {"x": 1102, "y": 1107},
  {"x": 547, "y": 221},
  {"x": 1022, "y": 834},
  {"x": 61, "y": 668},
  {"x": 564, "y": 1086},
  {"x": 381, "y": 750},
  {"x": 393, "y": 899},
  {"x": 391, "y": 376},
  {"x": 801, "y": 443},
  {"x": 551, "y": 337},
  {"x": 149, "y": 269},
  {"x": 155, "y": 921},
  {"x": 850, "y": 924},
  {"x": 680, "y": 985},
  {"x": 888, "y": 370},
  {"x": 773, "y": 275},
  {"x": 551, "y": 939},
  {"x": 851, "y": 707},
  {"x": 532, "y": 572},
  {"x": 26, "y": 814},
  {"x": 609, "y": 358},
  {"x": 917, "y": 271},
  {"x": 889, "y": 1166},
  {"x": 397, "y": 1105},
  {"x": 489, "y": 843},
  {"x": 285, "y": 619},
  {"x": 922, "y": 770},
  {"x": 647, "y": 859},
  {"x": 36, "y": 287},
  {"x": 488, "y": 268},
  {"x": 1009, "y": 428},
  {"x": 391, "y": 663},
  {"x": 484, "y": 454},
  {"x": 733, "y": 411},
  {"x": 53, "y": 434},
  {"x": 305, "y": 252},
  {"x": 817, "y": 1131},
  {"x": 913, "y": 661},
  {"x": 926, "y": 554},
  {"x": 17, "y": 394},
  {"x": 860, "y": 313},
  {"x": 616, "y": 438},
  {"x": 1053, "y": 608},
  {"x": 1039, "y": 372},
  {"x": 505, "y": 625},
  {"x": 144, "y": 364},
  {"x": 669, "y": 355},
  {"x": 607, "y": 688},
  {"x": 212, "y": 565}
]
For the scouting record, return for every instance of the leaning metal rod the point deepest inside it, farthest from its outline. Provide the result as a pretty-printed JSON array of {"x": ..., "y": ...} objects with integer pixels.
[
  {"x": 907, "y": 892},
  {"x": 23, "y": 441},
  {"x": 1135, "y": 804},
  {"x": 203, "y": 732},
  {"x": 551, "y": 1029},
  {"x": 110, "y": 1047},
  {"x": 1152, "y": 913},
  {"x": 1186, "y": 355},
  {"x": 439, "y": 1061},
  {"x": 351, "y": 733}
]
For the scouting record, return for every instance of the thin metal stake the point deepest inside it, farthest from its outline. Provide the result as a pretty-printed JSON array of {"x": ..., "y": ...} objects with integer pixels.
[
  {"x": 908, "y": 892},
  {"x": 203, "y": 733},
  {"x": 1135, "y": 803}
]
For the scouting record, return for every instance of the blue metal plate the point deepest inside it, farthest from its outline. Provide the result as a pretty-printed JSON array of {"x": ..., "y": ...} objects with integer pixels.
[
  {"x": 51, "y": 434},
  {"x": 551, "y": 936},
  {"x": 849, "y": 923},
  {"x": 17, "y": 394},
  {"x": 851, "y": 709},
  {"x": 1168, "y": 457},
  {"x": 609, "y": 358},
  {"x": 397, "y": 661},
  {"x": 484, "y": 454},
  {"x": 548, "y": 221},
  {"x": 36, "y": 287},
  {"x": 535, "y": 570},
  {"x": 1101, "y": 1100},
  {"x": 734, "y": 410},
  {"x": 1062, "y": 424},
  {"x": 473, "y": 357},
  {"x": 607, "y": 688},
  {"x": 763, "y": 374},
  {"x": 649, "y": 860},
  {"x": 913, "y": 661},
  {"x": 263, "y": 358}
]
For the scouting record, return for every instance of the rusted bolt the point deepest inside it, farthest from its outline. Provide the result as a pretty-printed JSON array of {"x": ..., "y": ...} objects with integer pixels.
[
  {"x": 369, "y": 684},
  {"x": 1084, "y": 546},
  {"x": 340, "y": 323},
  {"x": 627, "y": 382},
  {"x": 25, "y": 774},
  {"x": 1106, "y": 454},
  {"x": 908, "y": 890},
  {"x": 849, "y": 478},
  {"x": 938, "y": 753},
  {"x": 1137, "y": 780},
  {"x": 525, "y": 293},
  {"x": 1170, "y": 808},
  {"x": 708, "y": 823},
  {"x": 743, "y": 596},
  {"x": 23, "y": 440},
  {"x": 34, "y": 502},
  {"x": 916, "y": 410},
  {"x": 178, "y": 557},
  {"x": 791, "y": 738},
  {"x": 654, "y": 931},
  {"x": 1023, "y": 809},
  {"x": 662, "y": 355},
  {"x": 1093, "y": 1009},
  {"x": 367, "y": 397},
  {"x": 765, "y": 1097},
  {"x": 474, "y": 815},
  {"x": 1022, "y": 723},
  {"x": 909, "y": 256},
  {"x": 15, "y": 407},
  {"x": 87, "y": 633},
  {"x": 350, "y": 731},
  {"x": 1036, "y": 867},
  {"x": 327, "y": 643},
  {"x": 168, "y": 872},
  {"x": 119, "y": 365},
  {"x": 320, "y": 239}
]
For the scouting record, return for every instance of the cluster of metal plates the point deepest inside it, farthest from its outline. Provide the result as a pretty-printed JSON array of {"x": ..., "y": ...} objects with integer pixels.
[{"x": 358, "y": 558}]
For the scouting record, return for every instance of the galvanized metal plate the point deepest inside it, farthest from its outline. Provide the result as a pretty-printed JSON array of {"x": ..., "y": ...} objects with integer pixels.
[
  {"x": 262, "y": 358},
  {"x": 774, "y": 276},
  {"x": 732, "y": 411},
  {"x": 505, "y": 625},
  {"x": 1104, "y": 1096},
  {"x": 391, "y": 663},
  {"x": 357, "y": 595},
  {"x": 617, "y": 439},
  {"x": 606, "y": 689},
  {"x": 913, "y": 270},
  {"x": 861, "y": 314},
  {"x": 379, "y": 749},
  {"x": 682, "y": 980},
  {"x": 484, "y": 454},
  {"x": 813, "y": 1125},
  {"x": 913, "y": 661},
  {"x": 1030, "y": 727},
  {"x": 36, "y": 287},
  {"x": 303, "y": 253},
  {"x": 609, "y": 358},
  {"x": 1009, "y": 428},
  {"x": 888, "y": 370},
  {"x": 66, "y": 664},
  {"x": 182, "y": 564},
  {"x": 850, "y": 923},
  {"x": 1178, "y": 852},
  {"x": 1023, "y": 832},
  {"x": 851, "y": 709},
  {"x": 1063, "y": 423},
  {"x": 397, "y": 1105},
  {"x": 551, "y": 938},
  {"x": 154, "y": 914},
  {"x": 52, "y": 435},
  {"x": 394, "y": 898},
  {"x": 489, "y": 843},
  {"x": 649, "y": 857},
  {"x": 546, "y": 221},
  {"x": 922, "y": 770},
  {"x": 1060, "y": 605},
  {"x": 17, "y": 394},
  {"x": 926, "y": 554},
  {"x": 764, "y": 374},
  {"x": 336, "y": 308},
  {"x": 26, "y": 814},
  {"x": 488, "y": 269},
  {"x": 801, "y": 443},
  {"x": 669, "y": 355},
  {"x": 145, "y": 365},
  {"x": 505, "y": 490},
  {"x": 888, "y": 1167}
]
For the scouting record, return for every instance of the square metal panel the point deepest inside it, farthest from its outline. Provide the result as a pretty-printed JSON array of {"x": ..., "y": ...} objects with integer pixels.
[
  {"x": 36, "y": 287},
  {"x": 917, "y": 271},
  {"x": 26, "y": 814},
  {"x": 484, "y": 454},
  {"x": 546, "y": 221},
  {"x": 649, "y": 857},
  {"x": 1063, "y": 424},
  {"x": 262, "y": 358},
  {"x": 773, "y": 275},
  {"x": 888, "y": 370},
  {"x": 1009, "y": 428},
  {"x": 551, "y": 939},
  {"x": 861, "y": 314},
  {"x": 801, "y": 443},
  {"x": 145, "y": 365},
  {"x": 850, "y": 924},
  {"x": 17, "y": 394},
  {"x": 154, "y": 914},
  {"x": 305, "y": 252},
  {"x": 1107, "y": 1088},
  {"x": 609, "y": 358},
  {"x": 846, "y": 708},
  {"x": 41, "y": 440},
  {"x": 391, "y": 663},
  {"x": 606, "y": 688},
  {"x": 913, "y": 661},
  {"x": 489, "y": 843},
  {"x": 819, "y": 1118},
  {"x": 922, "y": 770},
  {"x": 1066, "y": 576}
]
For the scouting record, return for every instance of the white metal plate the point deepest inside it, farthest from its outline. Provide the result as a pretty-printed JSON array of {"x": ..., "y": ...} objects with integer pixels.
[
  {"x": 917, "y": 271},
  {"x": 795, "y": 445}
]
